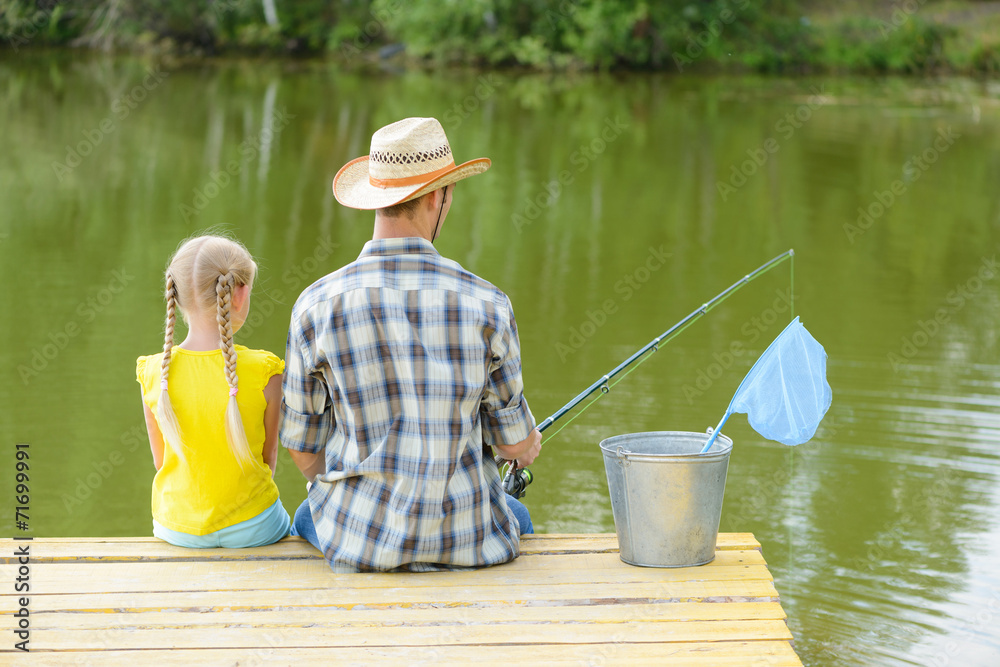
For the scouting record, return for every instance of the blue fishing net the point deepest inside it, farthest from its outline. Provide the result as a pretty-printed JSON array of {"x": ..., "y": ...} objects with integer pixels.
[{"x": 785, "y": 395}]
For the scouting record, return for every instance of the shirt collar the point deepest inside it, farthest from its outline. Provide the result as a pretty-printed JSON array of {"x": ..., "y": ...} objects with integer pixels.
[{"x": 411, "y": 245}]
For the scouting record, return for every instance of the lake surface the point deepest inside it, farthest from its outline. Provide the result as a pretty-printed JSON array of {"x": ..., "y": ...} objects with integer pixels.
[{"x": 882, "y": 532}]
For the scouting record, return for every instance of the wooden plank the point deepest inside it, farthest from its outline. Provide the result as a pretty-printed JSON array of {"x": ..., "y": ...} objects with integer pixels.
[
  {"x": 349, "y": 597},
  {"x": 304, "y": 616},
  {"x": 609, "y": 541},
  {"x": 151, "y": 548},
  {"x": 556, "y": 565},
  {"x": 567, "y": 598},
  {"x": 227, "y": 577},
  {"x": 549, "y": 560},
  {"x": 342, "y": 634},
  {"x": 694, "y": 654}
]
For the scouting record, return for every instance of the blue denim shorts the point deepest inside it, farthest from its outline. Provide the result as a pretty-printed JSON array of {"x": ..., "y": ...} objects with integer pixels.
[{"x": 266, "y": 528}]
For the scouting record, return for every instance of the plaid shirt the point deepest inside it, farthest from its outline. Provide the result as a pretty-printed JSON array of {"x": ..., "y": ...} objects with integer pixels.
[{"x": 401, "y": 366}]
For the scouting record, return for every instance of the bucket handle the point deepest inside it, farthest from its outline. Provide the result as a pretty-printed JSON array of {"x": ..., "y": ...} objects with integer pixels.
[{"x": 622, "y": 455}]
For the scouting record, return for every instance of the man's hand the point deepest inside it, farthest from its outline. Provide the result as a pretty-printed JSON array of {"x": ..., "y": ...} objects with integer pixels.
[{"x": 524, "y": 452}]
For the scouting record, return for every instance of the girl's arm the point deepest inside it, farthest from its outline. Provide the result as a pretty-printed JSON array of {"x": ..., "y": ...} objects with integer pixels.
[
  {"x": 155, "y": 437},
  {"x": 272, "y": 415}
]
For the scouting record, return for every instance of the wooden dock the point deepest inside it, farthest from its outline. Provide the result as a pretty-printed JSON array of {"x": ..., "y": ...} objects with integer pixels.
[{"x": 566, "y": 599}]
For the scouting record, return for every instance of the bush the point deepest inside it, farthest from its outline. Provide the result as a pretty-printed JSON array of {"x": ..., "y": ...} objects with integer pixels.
[
  {"x": 870, "y": 45},
  {"x": 24, "y": 22},
  {"x": 542, "y": 34}
]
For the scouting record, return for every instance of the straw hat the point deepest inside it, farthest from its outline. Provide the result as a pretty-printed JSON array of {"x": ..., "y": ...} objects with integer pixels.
[{"x": 408, "y": 159}]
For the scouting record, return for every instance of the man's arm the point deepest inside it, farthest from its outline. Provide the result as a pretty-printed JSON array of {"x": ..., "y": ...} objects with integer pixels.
[
  {"x": 307, "y": 420},
  {"x": 508, "y": 424},
  {"x": 309, "y": 463}
]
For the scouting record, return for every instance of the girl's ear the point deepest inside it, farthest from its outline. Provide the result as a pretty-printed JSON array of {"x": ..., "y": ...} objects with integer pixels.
[{"x": 240, "y": 295}]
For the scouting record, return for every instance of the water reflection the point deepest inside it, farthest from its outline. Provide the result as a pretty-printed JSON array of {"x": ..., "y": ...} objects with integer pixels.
[{"x": 879, "y": 532}]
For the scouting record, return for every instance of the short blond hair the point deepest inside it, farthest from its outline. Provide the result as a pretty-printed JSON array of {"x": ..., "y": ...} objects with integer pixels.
[{"x": 406, "y": 208}]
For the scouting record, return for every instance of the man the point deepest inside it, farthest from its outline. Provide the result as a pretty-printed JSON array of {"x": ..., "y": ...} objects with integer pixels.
[{"x": 402, "y": 369}]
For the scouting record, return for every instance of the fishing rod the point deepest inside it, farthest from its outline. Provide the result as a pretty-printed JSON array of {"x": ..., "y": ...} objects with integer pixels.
[{"x": 517, "y": 479}]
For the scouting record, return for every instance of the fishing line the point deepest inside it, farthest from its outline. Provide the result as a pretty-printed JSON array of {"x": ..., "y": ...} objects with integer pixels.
[
  {"x": 515, "y": 480},
  {"x": 640, "y": 357},
  {"x": 791, "y": 289},
  {"x": 791, "y": 451}
]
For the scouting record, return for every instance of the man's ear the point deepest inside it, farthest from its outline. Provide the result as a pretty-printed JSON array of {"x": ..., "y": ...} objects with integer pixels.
[{"x": 433, "y": 200}]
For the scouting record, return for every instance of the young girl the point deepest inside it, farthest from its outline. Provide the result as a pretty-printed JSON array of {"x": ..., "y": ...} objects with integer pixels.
[{"x": 212, "y": 408}]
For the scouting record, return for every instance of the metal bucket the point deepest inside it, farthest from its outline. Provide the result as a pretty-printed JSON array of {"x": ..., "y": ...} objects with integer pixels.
[{"x": 666, "y": 496}]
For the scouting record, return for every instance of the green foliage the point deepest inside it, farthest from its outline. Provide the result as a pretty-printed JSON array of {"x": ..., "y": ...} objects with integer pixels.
[
  {"x": 179, "y": 20},
  {"x": 25, "y": 22},
  {"x": 741, "y": 34},
  {"x": 871, "y": 45},
  {"x": 608, "y": 35},
  {"x": 684, "y": 35},
  {"x": 605, "y": 33},
  {"x": 307, "y": 23},
  {"x": 207, "y": 26},
  {"x": 493, "y": 31},
  {"x": 986, "y": 58}
]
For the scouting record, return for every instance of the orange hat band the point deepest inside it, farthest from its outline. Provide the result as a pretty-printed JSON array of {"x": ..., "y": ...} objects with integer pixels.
[{"x": 410, "y": 180}]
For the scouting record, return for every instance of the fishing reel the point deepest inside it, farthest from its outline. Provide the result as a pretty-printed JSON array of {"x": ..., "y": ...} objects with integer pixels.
[{"x": 516, "y": 481}]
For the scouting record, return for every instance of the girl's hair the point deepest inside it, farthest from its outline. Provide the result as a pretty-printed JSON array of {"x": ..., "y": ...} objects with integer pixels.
[{"x": 200, "y": 278}]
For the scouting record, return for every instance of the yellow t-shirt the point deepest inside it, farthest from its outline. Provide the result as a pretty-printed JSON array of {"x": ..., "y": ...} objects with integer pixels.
[{"x": 210, "y": 491}]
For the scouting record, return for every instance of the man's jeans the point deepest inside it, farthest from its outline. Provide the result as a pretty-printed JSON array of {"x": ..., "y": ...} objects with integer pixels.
[{"x": 302, "y": 524}]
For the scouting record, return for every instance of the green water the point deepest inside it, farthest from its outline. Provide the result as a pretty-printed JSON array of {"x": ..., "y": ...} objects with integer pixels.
[{"x": 880, "y": 533}]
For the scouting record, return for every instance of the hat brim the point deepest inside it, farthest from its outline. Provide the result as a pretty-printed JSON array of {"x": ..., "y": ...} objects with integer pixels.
[{"x": 352, "y": 188}]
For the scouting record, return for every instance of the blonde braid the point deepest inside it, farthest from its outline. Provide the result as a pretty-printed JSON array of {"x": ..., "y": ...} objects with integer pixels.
[
  {"x": 168, "y": 331},
  {"x": 224, "y": 291},
  {"x": 169, "y": 426},
  {"x": 235, "y": 433}
]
